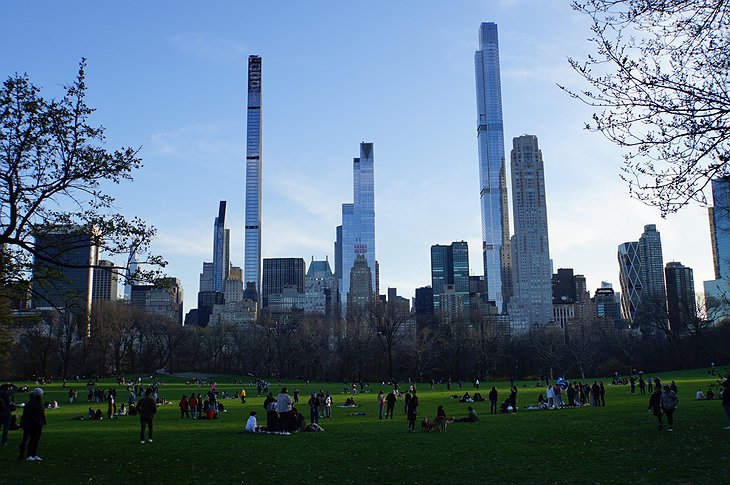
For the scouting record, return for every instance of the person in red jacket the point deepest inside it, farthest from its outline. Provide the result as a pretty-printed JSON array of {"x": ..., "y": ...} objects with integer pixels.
[
  {"x": 184, "y": 407},
  {"x": 147, "y": 410}
]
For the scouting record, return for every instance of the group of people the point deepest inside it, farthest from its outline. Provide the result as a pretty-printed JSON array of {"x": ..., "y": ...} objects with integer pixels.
[
  {"x": 201, "y": 407},
  {"x": 282, "y": 416}
]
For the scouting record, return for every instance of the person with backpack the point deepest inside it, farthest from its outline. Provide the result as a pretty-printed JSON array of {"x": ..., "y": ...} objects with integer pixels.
[{"x": 669, "y": 401}]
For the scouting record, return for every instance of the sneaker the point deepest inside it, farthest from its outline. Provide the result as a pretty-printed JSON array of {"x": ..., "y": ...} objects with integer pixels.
[
  {"x": 30, "y": 458},
  {"x": 727, "y": 427},
  {"x": 149, "y": 440},
  {"x": 141, "y": 442},
  {"x": 670, "y": 429},
  {"x": 38, "y": 458}
]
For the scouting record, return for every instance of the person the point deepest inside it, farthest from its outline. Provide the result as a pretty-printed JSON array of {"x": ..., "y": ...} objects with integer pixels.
[
  {"x": 313, "y": 404},
  {"x": 243, "y": 396},
  {"x": 642, "y": 385},
  {"x": 122, "y": 410},
  {"x": 381, "y": 403},
  {"x": 6, "y": 410},
  {"x": 602, "y": 394},
  {"x": 550, "y": 393},
  {"x": 673, "y": 387},
  {"x": 571, "y": 395},
  {"x": 656, "y": 408},
  {"x": 412, "y": 411},
  {"x": 193, "y": 405},
  {"x": 440, "y": 412},
  {"x": 184, "y": 407},
  {"x": 251, "y": 426},
  {"x": 595, "y": 391},
  {"x": 513, "y": 398},
  {"x": 472, "y": 417},
  {"x": 406, "y": 399},
  {"x": 283, "y": 407},
  {"x": 726, "y": 401},
  {"x": 710, "y": 394},
  {"x": 98, "y": 416},
  {"x": 669, "y": 403},
  {"x": 493, "y": 398},
  {"x": 32, "y": 421},
  {"x": 147, "y": 409},
  {"x": 390, "y": 400},
  {"x": 699, "y": 395},
  {"x": 632, "y": 380},
  {"x": 327, "y": 405}
]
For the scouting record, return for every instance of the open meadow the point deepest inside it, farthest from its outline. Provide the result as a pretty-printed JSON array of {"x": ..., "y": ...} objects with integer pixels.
[{"x": 618, "y": 443}]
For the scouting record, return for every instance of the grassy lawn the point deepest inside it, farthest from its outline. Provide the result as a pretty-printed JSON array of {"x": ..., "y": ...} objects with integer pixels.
[{"x": 615, "y": 444}]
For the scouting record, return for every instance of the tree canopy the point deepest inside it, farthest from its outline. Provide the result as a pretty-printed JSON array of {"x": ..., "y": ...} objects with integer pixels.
[
  {"x": 659, "y": 76},
  {"x": 53, "y": 171}
]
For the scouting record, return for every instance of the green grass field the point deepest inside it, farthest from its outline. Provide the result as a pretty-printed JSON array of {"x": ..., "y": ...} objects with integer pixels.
[{"x": 615, "y": 444}]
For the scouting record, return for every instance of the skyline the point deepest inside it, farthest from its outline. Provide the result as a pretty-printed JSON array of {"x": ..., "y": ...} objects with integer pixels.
[{"x": 177, "y": 89}]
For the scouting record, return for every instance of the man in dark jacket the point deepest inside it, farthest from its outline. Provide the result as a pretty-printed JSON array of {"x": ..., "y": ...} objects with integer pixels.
[
  {"x": 390, "y": 400},
  {"x": 656, "y": 408},
  {"x": 32, "y": 421},
  {"x": 493, "y": 398},
  {"x": 147, "y": 410},
  {"x": 669, "y": 401},
  {"x": 6, "y": 410},
  {"x": 726, "y": 401}
]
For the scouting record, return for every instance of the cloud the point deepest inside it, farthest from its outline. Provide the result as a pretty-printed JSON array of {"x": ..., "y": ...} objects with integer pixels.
[{"x": 209, "y": 47}]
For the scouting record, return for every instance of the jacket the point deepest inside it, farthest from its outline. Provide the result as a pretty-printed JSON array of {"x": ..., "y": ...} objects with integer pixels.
[
  {"x": 669, "y": 400},
  {"x": 146, "y": 407},
  {"x": 33, "y": 415}
]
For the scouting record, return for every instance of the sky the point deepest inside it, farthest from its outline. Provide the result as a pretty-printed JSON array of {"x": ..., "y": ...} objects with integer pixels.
[{"x": 169, "y": 78}]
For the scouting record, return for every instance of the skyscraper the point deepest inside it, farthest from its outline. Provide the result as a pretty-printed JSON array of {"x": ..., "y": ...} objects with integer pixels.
[
  {"x": 682, "y": 307},
  {"x": 653, "y": 308},
  {"x": 221, "y": 249},
  {"x": 252, "y": 243},
  {"x": 531, "y": 271},
  {"x": 450, "y": 277},
  {"x": 630, "y": 279},
  {"x": 105, "y": 283},
  {"x": 492, "y": 169},
  {"x": 358, "y": 223},
  {"x": 716, "y": 290},
  {"x": 280, "y": 273}
]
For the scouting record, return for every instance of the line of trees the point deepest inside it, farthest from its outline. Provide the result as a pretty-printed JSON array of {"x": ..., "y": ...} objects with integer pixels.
[{"x": 378, "y": 345}]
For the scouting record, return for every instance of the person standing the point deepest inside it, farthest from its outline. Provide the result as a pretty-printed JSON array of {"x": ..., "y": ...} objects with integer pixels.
[
  {"x": 283, "y": 407},
  {"x": 669, "y": 401},
  {"x": 493, "y": 398},
  {"x": 412, "y": 412},
  {"x": 313, "y": 404},
  {"x": 595, "y": 391},
  {"x": 381, "y": 403},
  {"x": 656, "y": 408},
  {"x": 6, "y": 410},
  {"x": 513, "y": 398},
  {"x": 184, "y": 404},
  {"x": 642, "y": 385},
  {"x": 147, "y": 409},
  {"x": 602, "y": 394},
  {"x": 726, "y": 401},
  {"x": 406, "y": 399},
  {"x": 32, "y": 421},
  {"x": 390, "y": 400}
]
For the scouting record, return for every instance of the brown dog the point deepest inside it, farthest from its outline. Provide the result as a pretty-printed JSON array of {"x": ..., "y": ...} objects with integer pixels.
[
  {"x": 440, "y": 423},
  {"x": 427, "y": 425}
]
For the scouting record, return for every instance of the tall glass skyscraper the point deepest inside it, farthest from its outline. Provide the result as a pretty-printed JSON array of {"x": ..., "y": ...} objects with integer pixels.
[
  {"x": 450, "y": 275},
  {"x": 630, "y": 279},
  {"x": 532, "y": 275},
  {"x": 252, "y": 243},
  {"x": 221, "y": 249},
  {"x": 358, "y": 221},
  {"x": 492, "y": 168}
]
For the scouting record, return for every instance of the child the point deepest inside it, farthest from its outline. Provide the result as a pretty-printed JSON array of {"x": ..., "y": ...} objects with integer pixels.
[{"x": 251, "y": 426}]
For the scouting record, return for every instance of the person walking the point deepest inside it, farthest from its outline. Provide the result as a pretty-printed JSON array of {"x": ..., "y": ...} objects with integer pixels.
[
  {"x": 726, "y": 401},
  {"x": 381, "y": 403},
  {"x": 32, "y": 421},
  {"x": 669, "y": 401},
  {"x": 493, "y": 398},
  {"x": 390, "y": 400},
  {"x": 412, "y": 412},
  {"x": 147, "y": 409}
]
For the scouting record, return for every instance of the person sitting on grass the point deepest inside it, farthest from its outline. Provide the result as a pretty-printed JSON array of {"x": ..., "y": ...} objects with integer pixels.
[
  {"x": 441, "y": 413},
  {"x": 466, "y": 398},
  {"x": 251, "y": 426},
  {"x": 122, "y": 411},
  {"x": 710, "y": 394},
  {"x": 472, "y": 417},
  {"x": 90, "y": 414},
  {"x": 133, "y": 409},
  {"x": 699, "y": 396},
  {"x": 98, "y": 415}
]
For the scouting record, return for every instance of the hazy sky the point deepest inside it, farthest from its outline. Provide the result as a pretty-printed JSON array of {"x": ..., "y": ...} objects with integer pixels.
[{"x": 170, "y": 77}]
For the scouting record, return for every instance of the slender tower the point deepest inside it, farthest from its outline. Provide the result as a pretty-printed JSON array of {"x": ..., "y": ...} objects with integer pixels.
[
  {"x": 252, "y": 243},
  {"x": 492, "y": 171},
  {"x": 221, "y": 249}
]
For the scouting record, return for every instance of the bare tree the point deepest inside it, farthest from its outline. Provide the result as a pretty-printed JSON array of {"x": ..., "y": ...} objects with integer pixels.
[
  {"x": 660, "y": 76},
  {"x": 388, "y": 321}
]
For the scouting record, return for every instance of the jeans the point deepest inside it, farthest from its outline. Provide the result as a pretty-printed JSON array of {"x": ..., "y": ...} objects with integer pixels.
[
  {"x": 314, "y": 415},
  {"x": 670, "y": 416},
  {"x": 5, "y": 422},
  {"x": 31, "y": 436},
  {"x": 493, "y": 407},
  {"x": 145, "y": 421},
  {"x": 380, "y": 410},
  {"x": 726, "y": 408}
]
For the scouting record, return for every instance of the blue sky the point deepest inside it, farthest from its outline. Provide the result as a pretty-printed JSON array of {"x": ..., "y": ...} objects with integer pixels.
[{"x": 170, "y": 77}]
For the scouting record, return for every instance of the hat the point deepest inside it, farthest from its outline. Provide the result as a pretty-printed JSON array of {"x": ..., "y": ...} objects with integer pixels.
[{"x": 37, "y": 392}]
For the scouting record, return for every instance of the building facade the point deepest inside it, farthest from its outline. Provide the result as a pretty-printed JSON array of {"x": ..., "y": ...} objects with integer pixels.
[
  {"x": 492, "y": 168},
  {"x": 531, "y": 302},
  {"x": 629, "y": 279},
  {"x": 105, "y": 284},
  {"x": 320, "y": 288},
  {"x": 252, "y": 238},
  {"x": 652, "y": 311},
  {"x": 221, "y": 249},
  {"x": 681, "y": 303},
  {"x": 450, "y": 278},
  {"x": 279, "y": 273}
]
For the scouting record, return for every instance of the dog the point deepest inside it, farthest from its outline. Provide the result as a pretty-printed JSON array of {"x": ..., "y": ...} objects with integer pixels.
[
  {"x": 441, "y": 423},
  {"x": 427, "y": 425}
]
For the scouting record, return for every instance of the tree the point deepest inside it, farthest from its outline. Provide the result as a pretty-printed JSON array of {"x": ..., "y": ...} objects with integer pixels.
[
  {"x": 387, "y": 321},
  {"x": 660, "y": 75},
  {"x": 53, "y": 169}
]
